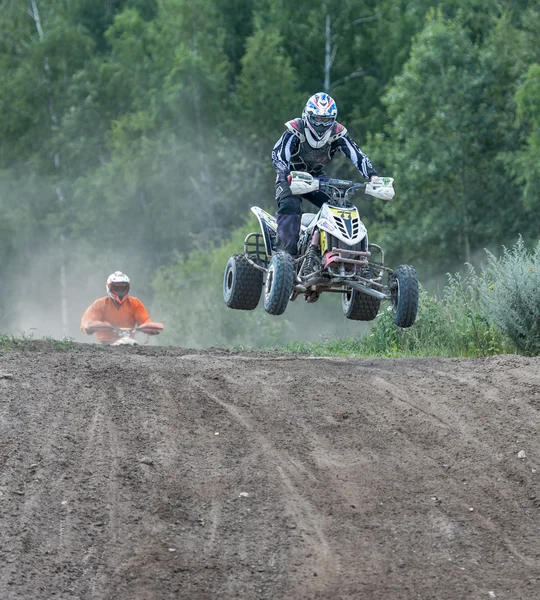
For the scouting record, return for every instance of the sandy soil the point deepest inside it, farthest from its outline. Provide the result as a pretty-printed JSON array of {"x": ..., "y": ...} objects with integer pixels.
[{"x": 153, "y": 473}]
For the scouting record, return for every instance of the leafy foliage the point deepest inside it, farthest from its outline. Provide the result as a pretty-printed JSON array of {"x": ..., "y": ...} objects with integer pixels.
[
  {"x": 453, "y": 325},
  {"x": 190, "y": 296},
  {"x": 445, "y": 145},
  {"x": 527, "y": 167},
  {"x": 450, "y": 326},
  {"x": 510, "y": 293},
  {"x": 135, "y": 132}
]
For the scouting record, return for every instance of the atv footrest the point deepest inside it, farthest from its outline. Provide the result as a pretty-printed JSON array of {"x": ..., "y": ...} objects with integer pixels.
[{"x": 255, "y": 249}]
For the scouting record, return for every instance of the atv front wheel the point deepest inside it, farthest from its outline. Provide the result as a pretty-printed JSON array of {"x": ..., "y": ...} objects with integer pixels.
[
  {"x": 404, "y": 290},
  {"x": 242, "y": 283},
  {"x": 358, "y": 306},
  {"x": 279, "y": 283}
]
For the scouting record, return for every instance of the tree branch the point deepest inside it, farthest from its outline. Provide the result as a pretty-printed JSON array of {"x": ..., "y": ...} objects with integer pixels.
[
  {"x": 358, "y": 73},
  {"x": 34, "y": 13},
  {"x": 366, "y": 19},
  {"x": 12, "y": 42}
]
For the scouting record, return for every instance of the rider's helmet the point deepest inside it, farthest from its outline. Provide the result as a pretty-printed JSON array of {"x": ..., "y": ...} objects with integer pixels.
[
  {"x": 319, "y": 116},
  {"x": 117, "y": 286}
]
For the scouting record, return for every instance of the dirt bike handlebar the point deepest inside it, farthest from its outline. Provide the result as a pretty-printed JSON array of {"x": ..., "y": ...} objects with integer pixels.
[{"x": 149, "y": 328}]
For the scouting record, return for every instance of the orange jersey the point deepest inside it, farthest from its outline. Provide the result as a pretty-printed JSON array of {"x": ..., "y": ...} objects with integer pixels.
[{"x": 130, "y": 313}]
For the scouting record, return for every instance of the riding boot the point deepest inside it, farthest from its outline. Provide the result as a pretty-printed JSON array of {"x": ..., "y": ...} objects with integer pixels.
[{"x": 288, "y": 230}]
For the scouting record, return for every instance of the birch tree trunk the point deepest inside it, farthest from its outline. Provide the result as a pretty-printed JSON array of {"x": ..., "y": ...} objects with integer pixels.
[
  {"x": 330, "y": 50},
  {"x": 33, "y": 11},
  {"x": 327, "y": 52}
]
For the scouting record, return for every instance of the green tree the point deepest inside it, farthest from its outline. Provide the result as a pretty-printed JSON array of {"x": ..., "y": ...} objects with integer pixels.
[
  {"x": 527, "y": 165},
  {"x": 450, "y": 113},
  {"x": 265, "y": 70}
]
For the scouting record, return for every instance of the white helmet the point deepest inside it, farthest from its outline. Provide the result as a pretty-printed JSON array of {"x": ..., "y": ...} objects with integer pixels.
[
  {"x": 117, "y": 286},
  {"x": 319, "y": 117}
]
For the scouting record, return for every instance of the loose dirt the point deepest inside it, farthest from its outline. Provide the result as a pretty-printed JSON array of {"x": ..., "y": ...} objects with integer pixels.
[{"x": 154, "y": 473}]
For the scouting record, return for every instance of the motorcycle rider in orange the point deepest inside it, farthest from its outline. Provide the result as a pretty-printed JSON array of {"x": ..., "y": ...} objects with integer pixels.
[{"x": 117, "y": 309}]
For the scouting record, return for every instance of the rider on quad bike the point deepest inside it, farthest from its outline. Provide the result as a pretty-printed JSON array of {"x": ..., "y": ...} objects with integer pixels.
[
  {"x": 326, "y": 252},
  {"x": 308, "y": 145},
  {"x": 116, "y": 311}
]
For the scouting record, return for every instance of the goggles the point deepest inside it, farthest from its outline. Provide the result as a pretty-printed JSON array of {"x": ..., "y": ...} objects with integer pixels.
[
  {"x": 322, "y": 120},
  {"x": 121, "y": 289}
]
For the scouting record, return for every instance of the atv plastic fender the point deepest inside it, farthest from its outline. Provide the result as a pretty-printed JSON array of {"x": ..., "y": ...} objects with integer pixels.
[{"x": 268, "y": 228}]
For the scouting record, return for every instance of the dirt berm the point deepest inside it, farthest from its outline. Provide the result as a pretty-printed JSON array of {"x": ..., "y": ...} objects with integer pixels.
[{"x": 153, "y": 473}]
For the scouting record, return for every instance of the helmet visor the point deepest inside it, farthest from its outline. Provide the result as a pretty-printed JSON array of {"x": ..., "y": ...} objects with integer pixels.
[{"x": 119, "y": 289}]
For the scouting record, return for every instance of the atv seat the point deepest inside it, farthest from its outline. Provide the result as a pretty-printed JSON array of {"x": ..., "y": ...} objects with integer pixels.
[{"x": 307, "y": 218}]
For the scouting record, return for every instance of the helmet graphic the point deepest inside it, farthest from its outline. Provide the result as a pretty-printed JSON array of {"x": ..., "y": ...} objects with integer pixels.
[
  {"x": 117, "y": 286},
  {"x": 319, "y": 116}
]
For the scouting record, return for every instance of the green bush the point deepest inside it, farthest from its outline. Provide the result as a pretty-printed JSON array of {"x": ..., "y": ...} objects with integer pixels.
[
  {"x": 452, "y": 325},
  {"x": 510, "y": 295}
]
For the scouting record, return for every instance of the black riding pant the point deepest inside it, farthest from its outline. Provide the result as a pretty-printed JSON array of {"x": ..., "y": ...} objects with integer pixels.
[{"x": 289, "y": 216}]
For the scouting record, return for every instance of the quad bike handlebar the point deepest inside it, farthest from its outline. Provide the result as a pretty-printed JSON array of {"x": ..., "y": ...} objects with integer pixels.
[
  {"x": 340, "y": 184},
  {"x": 339, "y": 189},
  {"x": 125, "y": 336}
]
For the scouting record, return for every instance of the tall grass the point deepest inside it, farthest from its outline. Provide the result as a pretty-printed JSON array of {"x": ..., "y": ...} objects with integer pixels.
[
  {"x": 476, "y": 315},
  {"x": 25, "y": 342},
  {"x": 450, "y": 325}
]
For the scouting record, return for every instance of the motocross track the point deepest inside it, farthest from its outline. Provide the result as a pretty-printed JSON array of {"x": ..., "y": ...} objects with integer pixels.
[{"x": 148, "y": 473}]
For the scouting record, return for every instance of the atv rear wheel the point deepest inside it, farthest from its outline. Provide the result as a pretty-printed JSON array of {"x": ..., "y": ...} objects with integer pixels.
[
  {"x": 404, "y": 290},
  {"x": 242, "y": 283},
  {"x": 279, "y": 283},
  {"x": 358, "y": 306}
]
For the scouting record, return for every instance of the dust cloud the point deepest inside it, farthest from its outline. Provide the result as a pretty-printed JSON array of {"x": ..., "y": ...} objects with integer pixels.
[{"x": 35, "y": 304}]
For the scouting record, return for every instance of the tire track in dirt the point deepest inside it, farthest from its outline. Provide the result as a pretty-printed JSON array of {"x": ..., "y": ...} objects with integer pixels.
[
  {"x": 329, "y": 478},
  {"x": 326, "y": 563},
  {"x": 460, "y": 496},
  {"x": 485, "y": 450}
]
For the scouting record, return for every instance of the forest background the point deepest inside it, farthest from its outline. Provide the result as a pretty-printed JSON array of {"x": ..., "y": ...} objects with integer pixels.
[{"x": 136, "y": 135}]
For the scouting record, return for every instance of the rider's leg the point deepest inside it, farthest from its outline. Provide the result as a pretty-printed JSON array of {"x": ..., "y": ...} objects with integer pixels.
[
  {"x": 317, "y": 198},
  {"x": 289, "y": 216}
]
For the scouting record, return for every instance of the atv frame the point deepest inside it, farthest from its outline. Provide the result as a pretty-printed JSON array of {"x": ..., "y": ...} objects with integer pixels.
[{"x": 358, "y": 274}]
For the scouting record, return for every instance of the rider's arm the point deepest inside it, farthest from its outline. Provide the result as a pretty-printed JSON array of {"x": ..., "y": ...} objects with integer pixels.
[
  {"x": 93, "y": 313},
  {"x": 139, "y": 312},
  {"x": 281, "y": 154},
  {"x": 349, "y": 149}
]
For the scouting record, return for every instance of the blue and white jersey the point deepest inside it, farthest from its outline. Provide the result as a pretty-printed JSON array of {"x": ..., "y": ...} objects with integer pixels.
[{"x": 292, "y": 152}]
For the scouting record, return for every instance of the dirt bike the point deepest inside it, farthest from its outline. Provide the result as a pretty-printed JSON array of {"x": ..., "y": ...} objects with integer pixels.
[
  {"x": 125, "y": 335},
  {"x": 334, "y": 255}
]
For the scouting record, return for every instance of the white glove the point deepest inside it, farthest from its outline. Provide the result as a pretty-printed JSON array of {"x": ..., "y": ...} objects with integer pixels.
[
  {"x": 303, "y": 183},
  {"x": 381, "y": 187}
]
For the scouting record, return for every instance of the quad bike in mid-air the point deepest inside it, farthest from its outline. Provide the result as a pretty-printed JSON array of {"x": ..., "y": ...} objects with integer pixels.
[
  {"x": 334, "y": 255},
  {"x": 125, "y": 336}
]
